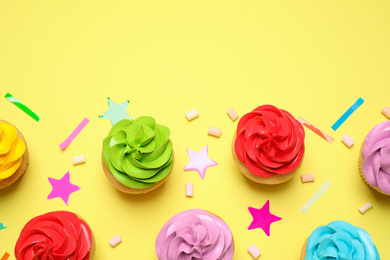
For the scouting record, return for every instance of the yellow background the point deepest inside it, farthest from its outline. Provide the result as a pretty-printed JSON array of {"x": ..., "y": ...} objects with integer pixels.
[{"x": 313, "y": 58}]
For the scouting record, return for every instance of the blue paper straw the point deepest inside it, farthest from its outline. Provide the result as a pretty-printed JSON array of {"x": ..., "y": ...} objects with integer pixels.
[{"x": 349, "y": 112}]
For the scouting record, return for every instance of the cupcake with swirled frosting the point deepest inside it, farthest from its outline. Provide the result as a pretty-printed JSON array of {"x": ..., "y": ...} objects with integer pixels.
[
  {"x": 60, "y": 235},
  {"x": 268, "y": 145},
  {"x": 13, "y": 154},
  {"x": 137, "y": 155},
  {"x": 195, "y": 234},
  {"x": 374, "y": 158},
  {"x": 339, "y": 240}
]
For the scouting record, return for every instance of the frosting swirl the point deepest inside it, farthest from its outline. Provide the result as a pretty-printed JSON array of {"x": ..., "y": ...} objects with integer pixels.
[
  {"x": 376, "y": 157},
  {"x": 340, "y": 240},
  {"x": 54, "y": 235},
  {"x": 138, "y": 153},
  {"x": 270, "y": 141},
  {"x": 195, "y": 234},
  {"x": 12, "y": 149}
]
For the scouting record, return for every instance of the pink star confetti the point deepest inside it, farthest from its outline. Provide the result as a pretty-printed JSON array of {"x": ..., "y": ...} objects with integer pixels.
[
  {"x": 262, "y": 218},
  {"x": 199, "y": 161},
  {"x": 62, "y": 188}
]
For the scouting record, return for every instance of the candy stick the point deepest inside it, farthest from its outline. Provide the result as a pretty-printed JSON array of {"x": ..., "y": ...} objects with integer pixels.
[
  {"x": 316, "y": 196},
  {"x": 73, "y": 135},
  {"x": 349, "y": 112},
  {"x": 5, "y": 256},
  {"x": 315, "y": 129},
  {"x": 22, "y": 106}
]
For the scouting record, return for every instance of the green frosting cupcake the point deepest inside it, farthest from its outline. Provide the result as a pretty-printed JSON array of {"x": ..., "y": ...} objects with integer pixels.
[{"x": 138, "y": 153}]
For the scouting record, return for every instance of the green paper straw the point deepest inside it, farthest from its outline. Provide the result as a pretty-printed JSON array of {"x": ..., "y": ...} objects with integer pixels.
[{"x": 22, "y": 106}]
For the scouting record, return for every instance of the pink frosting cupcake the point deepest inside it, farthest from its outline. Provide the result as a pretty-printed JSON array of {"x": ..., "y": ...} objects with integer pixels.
[
  {"x": 195, "y": 234},
  {"x": 374, "y": 158}
]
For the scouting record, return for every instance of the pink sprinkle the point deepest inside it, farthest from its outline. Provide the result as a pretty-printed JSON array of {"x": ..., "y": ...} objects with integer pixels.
[{"x": 73, "y": 135}]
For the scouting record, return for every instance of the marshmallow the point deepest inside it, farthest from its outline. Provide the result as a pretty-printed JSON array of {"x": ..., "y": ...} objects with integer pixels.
[
  {"x": 386, "y": 111},
  {"x": 115, "y": 240},
  {"x": 307, "y": 177},
  {"x": 214, "y": 131},
  {"x": 232, "y": 114},
  {"x": 78, "y": 159},
  {"x": 192, "y": 114},
  {"x": 254, "y": 251},
  {"x": 347, "y": 140},
  {"x": 365, "y": 207},
  {"x": 189, "y": 189}
]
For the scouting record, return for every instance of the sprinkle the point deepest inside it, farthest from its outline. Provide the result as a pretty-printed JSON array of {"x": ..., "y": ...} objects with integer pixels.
[
  {"x": 115, "y": 240},
  {"x": 73, "y": 135},
  {"x": 307, "y": 178},
  {"x": 214, "y": 131},
  {"x": 315, "y": 130},
  {"x": 347, "y": 140},
  {"x": 116, "y": 112},
  {"x": 189, "y": 189},
  {"x": 2, "y": 226},
  {"x": 62, "y": 188},
  {"x": 78, "y": 159},
  {"x": 365, "y": 207},
  {"x": 349, "y": 112},
  {"x": 199, "y": 161},
  {"x": 192, "y": 114},
  {"x": 5, "y": 256},
  {"x": 316, "y": 196},
  {"x": 22, "y": 106},
  {"x": 232, "y": 114},
  {"x": 254, "y": 251},
  {"x": 386, "y": 111}
]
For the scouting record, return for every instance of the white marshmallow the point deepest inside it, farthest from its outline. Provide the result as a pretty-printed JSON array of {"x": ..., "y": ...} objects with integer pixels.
[
  {"x": 192, "y": 114},
  {"x": 347, "y": 140},
  {"x": 189, "y": 189},
  {"x": 78, "y": 159},
  {"x": 365, "y": 207},
  {"x": 254, "y": 251},
  {"x": 115, "y": 240}
]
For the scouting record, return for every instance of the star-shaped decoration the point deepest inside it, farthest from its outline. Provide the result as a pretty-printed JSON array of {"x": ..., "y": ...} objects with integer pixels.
[
  {"x": 199, "y": 161},
  {"x": 262, "y": 218},
  {"x": 116, "y": 112},
  {"x": 62, "y": 188},
  {"x": 2, "y": 226}
]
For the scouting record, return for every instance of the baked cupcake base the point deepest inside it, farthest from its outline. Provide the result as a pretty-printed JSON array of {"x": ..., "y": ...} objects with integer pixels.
[
  {"x": 4, "y": 183},
  {"x": 270, "y": 181},
  {"x": 127, "y": 189},
  {"x": 360, "y": 162},
  {"x": 303, "y": 253}
]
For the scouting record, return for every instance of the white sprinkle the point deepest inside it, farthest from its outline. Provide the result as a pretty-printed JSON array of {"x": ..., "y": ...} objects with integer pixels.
[
  {"x": 115, "y": 240},
  {"x": 214, "y": 131},
  {"x": 347, "y": 140},
  {"x": 189, "y": 189},
  {"x": 78, "y": 159},
  {"x": 232, "y": 114},
  {"x": 365, "y": 207},
  {"x": 307, "y": 177},
  {"x": 192, "y": 114},
  {"x": 386, "y": 111},
  {"x": 254, "y": 251}
]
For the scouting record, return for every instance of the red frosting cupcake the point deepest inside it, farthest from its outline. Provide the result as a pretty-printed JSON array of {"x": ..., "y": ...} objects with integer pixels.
[
  {"x": 268, "y": 146},
  {"x": 55, "y": 235}
]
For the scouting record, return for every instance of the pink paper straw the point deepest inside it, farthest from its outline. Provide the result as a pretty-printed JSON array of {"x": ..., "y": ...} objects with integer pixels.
[{"x": 73, "y": 135}]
